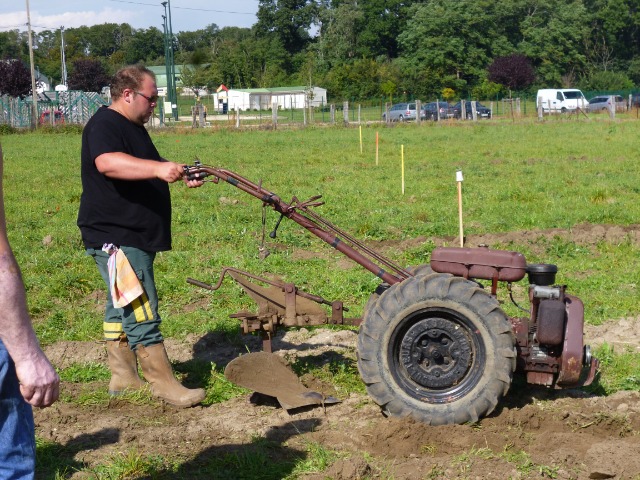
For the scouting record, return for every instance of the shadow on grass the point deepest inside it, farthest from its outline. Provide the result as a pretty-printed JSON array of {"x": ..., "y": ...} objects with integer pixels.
[
  {"x": 265, "y": 458},
  {"x": 55, "y": 459}
]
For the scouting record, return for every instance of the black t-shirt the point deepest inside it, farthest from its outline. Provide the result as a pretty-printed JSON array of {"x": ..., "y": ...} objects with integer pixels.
[{"x": 123, "y": 212}]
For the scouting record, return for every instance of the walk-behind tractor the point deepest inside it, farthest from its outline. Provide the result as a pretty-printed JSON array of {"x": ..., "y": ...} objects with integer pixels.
[{"x": 433, "y": 343}]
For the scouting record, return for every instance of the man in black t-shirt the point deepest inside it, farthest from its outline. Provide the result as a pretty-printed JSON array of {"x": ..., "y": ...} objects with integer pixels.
[{"x": 125, "y": 204}]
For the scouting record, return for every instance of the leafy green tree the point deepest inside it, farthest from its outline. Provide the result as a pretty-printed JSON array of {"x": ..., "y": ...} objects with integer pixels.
[
  {"x": 194, "y": 78},
  {"x": 448, "y": 42},
  {"x": 196, "y": 40},
  {"x": 606, "y": 81},
  {"x": 13, "y": 44},
  {"x": 486, "y": 90},
  {"x": 338, "y": 39},
  {"x": 288, "y": 20},
  {"x": 232, "y": 59},
  {"x": 554, "y": 33},
  {"x": 633, "y": 70},
  {"x": 381, "y": 23},
  {"x": 360, "y": 79},
  {"x": 614, "y": 39},
  {"x": 106, "y": 39},
  {"x": 144, "y": 46}
]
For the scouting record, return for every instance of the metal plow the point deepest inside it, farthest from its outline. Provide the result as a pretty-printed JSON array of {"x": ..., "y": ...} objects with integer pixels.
[
  {"x": 266, "y": 373},
  {"x": 279, "y": 304}
]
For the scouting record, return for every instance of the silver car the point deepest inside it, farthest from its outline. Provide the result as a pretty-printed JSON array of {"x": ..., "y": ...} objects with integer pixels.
[
  {"x": 401, "y": 112},
  {"x": 604, "y": 102}
]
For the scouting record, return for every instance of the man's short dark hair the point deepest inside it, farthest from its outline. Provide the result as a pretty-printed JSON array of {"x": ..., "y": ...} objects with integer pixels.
[{"x": 129, "y": 77}]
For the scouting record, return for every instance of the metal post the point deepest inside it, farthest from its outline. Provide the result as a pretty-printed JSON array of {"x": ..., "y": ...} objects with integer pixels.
[
  {"x": 34, "y": 94},
  {"x": 167, "y": 61},
  {"x": 174, "y": 94},
  {"x": 63, "y": 57}
]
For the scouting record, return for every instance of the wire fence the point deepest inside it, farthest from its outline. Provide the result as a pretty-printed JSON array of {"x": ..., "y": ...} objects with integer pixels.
[
  {"x": 53, "y": 108},
  {"x": 75, "y": 107}
]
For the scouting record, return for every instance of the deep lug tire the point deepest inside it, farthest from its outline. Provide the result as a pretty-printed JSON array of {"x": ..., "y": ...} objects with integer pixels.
[
  {"x": 415, "y": 270},
  {"x": 436, "y": 348}
]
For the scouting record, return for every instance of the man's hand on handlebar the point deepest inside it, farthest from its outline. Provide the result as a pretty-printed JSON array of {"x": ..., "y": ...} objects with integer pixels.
[{"x": 194, "y": 183}]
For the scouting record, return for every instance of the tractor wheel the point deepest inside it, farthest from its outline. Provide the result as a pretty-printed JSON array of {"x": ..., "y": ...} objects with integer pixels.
[
  {"x": 436, "y": 348},
  {"x": 415, "y": 270}
]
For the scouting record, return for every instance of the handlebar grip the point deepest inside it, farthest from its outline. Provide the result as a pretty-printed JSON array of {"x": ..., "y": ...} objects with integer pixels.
[{"x": 194, "y": 176}]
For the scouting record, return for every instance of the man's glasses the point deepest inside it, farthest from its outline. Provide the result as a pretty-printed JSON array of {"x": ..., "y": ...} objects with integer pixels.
[{"x": 149, "y": 99}]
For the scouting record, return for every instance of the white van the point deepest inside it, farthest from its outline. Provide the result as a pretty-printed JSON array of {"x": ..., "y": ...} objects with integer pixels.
[{"x": 560, "y": 99}]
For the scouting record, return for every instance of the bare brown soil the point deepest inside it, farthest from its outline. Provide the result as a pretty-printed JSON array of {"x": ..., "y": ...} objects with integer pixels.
[{"x": 566, "y": 434}]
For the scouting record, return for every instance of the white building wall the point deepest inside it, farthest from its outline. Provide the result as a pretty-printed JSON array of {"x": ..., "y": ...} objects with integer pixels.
[{"x": 263, "y": 101}]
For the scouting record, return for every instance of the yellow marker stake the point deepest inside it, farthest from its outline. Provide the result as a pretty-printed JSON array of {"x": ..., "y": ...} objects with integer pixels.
[
  {"x": 402, "y": 169},
  {"x": 360, "y": 138},
  {"x": 376, "y": 148},
  {"x": 459, "y": 179}
]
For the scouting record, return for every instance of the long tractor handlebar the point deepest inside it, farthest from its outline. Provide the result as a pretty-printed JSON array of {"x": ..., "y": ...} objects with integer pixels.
[{"x": 301, "y": 213}]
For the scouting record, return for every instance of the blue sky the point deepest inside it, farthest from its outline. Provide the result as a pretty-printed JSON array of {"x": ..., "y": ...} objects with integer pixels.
[{"x": 186, "y": 15}]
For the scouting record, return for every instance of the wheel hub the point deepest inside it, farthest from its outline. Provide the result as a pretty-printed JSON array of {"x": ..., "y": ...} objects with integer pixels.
[{"x": 436, "y": 353}]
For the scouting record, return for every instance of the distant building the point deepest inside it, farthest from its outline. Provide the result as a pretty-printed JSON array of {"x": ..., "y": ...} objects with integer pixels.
[{"x": 263, "y": 98}]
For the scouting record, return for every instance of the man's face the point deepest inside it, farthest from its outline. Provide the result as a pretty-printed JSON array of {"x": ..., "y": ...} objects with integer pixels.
[{"x": 144, "y": 101}]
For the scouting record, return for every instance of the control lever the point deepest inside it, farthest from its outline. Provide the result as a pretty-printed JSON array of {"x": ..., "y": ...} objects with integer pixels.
[{"x": 272, "y": 234}]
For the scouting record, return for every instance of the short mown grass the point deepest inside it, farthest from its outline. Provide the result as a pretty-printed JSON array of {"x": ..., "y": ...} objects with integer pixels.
[{"x": 527, "y": 176}]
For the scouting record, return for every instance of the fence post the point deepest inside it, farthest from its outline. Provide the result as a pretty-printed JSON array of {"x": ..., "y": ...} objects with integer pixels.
[
  {"x": 463, "y": 109},
  {"x": 345, "y": 112},
  {"x": 539, "y": 105},
  {"x": 304, "y": 114},
  {"x": 274, "y": 113},
  {"x": 237, "y": 116},
  {"x": 332, "y": 113},
  {"x": 418, "y": 111}
]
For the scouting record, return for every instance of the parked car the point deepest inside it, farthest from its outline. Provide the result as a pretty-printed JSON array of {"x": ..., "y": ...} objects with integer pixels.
[
  {"x": 481, "y": 110},
  {"x": 45, "y": 117},
  {"x": 401, "y": 112},
  {"x": 604, "y": 102},
  {"x": 437, "y": 111}
]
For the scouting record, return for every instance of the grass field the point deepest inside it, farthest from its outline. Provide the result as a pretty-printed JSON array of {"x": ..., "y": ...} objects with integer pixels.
[
  {"x": 517, "y": 177},
  {"x": 525, "y": 176}
]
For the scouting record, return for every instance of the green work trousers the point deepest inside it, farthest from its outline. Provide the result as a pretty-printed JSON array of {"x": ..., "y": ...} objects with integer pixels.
[{"x": 139, "y": 320}]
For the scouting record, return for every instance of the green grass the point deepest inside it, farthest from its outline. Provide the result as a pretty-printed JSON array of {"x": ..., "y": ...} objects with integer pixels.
[
  {"x": 518, "y": 177},
  {"x": 525, "y": 176}
]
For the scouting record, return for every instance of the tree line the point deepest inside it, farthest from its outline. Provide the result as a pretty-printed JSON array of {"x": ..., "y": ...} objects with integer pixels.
[{"x": 374, "y": 48}]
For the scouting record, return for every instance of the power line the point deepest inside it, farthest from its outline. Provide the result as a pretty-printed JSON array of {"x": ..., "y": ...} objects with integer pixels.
[{"x": 184, "y": 8}]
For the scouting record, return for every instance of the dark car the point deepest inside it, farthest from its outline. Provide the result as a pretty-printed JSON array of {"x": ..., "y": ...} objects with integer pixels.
[
  {"x": 481, "y": 110},
  {"x": 437, "y": 111}
]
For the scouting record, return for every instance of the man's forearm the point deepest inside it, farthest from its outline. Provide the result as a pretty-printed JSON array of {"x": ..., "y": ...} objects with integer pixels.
[
  {"x": 16, "y": 331},
  {"x": 123, "y": 166}
]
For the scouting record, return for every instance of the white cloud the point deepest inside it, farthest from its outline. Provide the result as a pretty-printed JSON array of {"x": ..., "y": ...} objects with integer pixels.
[{"x": 13, "y": 20}]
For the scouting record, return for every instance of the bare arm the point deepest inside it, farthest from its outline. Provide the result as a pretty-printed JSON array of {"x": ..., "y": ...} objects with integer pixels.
[
  {"x": 127, "y": 167},
  {"x": 39, "y": 382}
]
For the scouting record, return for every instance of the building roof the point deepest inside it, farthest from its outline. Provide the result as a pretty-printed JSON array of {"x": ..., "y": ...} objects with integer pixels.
[{"x": 274, "y": 89}]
